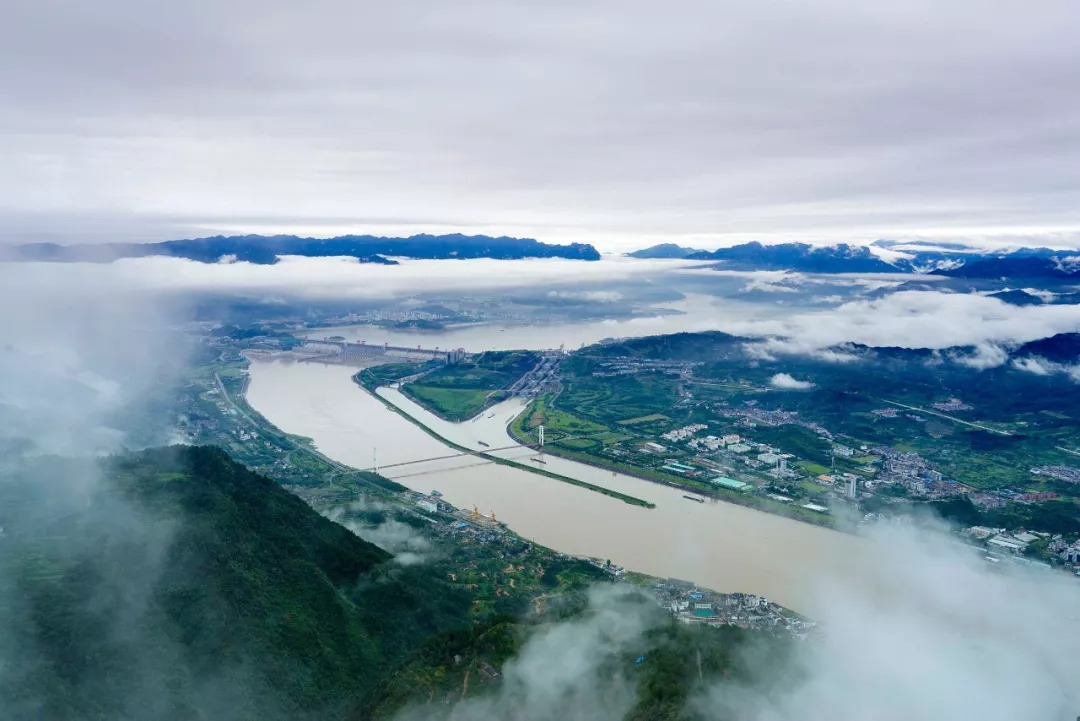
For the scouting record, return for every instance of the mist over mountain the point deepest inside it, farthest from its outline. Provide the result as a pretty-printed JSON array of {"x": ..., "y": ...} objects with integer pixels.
[{"x": 266, "y": 250}]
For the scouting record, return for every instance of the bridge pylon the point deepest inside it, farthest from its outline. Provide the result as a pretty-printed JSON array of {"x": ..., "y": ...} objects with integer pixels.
[{"x": 539, "y": 457}]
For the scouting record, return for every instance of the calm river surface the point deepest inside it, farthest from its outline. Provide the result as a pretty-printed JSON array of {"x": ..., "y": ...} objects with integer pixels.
[{"x": 719, "y": 545}]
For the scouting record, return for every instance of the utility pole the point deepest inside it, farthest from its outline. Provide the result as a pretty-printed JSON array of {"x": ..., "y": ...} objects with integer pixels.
[{"x": 375, "y": 458}]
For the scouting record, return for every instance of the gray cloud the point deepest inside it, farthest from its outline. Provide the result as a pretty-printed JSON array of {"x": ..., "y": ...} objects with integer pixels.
[{"x": 604, "y": 121}]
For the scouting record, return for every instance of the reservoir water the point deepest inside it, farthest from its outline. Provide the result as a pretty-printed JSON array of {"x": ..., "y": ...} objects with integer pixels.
[{"x": 718, "y": 545}]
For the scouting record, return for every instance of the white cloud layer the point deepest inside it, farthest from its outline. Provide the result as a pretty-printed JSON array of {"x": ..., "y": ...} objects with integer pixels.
[
  {"x": 787, "y": 382},
  {"x": 1043, "y": 367},
  {"x": 908, "y": 319},
  {"x": 329, "y": 277},
  {"x": 915, "y": 319}
]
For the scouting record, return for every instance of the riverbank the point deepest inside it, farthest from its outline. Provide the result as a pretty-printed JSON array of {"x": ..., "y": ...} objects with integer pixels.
[{"x": 632, "y": 500}]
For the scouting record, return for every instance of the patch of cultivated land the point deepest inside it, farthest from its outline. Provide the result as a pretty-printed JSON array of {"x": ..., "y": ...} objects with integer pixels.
[
  {"x": 456, "y": 404},
  {"x": 459, "y": 391},
  {"x": 644, "y": 419}
]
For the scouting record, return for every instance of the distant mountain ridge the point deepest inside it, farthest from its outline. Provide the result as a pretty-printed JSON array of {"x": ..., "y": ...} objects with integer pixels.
[
  {"x": 883, "y": 256},
  {"x": 707, "y": 346},
  {"x": 267, "y": 250},
  {"x": 804, "y": 257},
  {"x": 1038, "y": 265},
  {"x": 1060, "y": 348},
  {"x": 664, "y": 250}
]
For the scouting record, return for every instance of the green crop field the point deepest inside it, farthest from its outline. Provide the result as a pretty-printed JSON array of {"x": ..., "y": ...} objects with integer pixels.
[
  {"x": 579, "y": 443},
  {"x": 815, "y": 468},
  {"x": 459, "y": 391},
  {"x": 456, "y": 404},
  {"x": 644, "y": 419},
  {"x": 540, "y": 413}
]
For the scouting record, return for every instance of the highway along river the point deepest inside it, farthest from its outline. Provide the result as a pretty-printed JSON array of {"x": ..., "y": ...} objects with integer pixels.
[{"x": 718, "y": 545}]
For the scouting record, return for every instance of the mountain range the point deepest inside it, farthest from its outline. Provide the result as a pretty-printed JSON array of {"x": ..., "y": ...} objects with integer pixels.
[
  {"x": 710, "y": 346},
  {"x": 267, "y": 250},
  {"x": 883, "y": 257},
  {"x": 665, "y": 250}
]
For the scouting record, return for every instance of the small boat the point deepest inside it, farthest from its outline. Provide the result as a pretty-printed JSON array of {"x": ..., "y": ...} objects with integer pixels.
[
  {"x": 485, "y": 445},
  {"x": 694, "y": 498}
]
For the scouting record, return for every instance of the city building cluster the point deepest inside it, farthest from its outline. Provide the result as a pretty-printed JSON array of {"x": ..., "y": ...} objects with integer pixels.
[
  {"x": 951, "y": 405},
  {"x": 1062, "y": 473},
  {"x": 1066, "y": 551},
  {"x": 693, "y": 605},
  {"x": 917, "y": 475},
  {"x": 1000, "y": 542},
  {"x": 622, "y": 366},
  {"x": 681, "y": 434}
]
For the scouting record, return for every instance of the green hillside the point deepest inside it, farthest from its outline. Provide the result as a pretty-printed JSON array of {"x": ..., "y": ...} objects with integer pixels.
[{"x": 183, "y": 586}]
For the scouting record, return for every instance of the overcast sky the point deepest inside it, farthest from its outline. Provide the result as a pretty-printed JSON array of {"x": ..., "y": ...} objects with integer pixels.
[{"x": 617, "y": 122}]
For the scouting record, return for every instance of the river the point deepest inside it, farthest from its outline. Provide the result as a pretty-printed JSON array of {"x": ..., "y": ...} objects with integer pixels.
[{"x": 719, "y": 545}]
